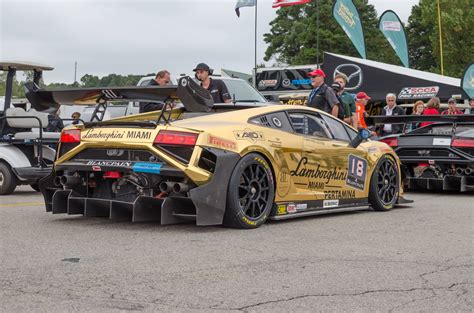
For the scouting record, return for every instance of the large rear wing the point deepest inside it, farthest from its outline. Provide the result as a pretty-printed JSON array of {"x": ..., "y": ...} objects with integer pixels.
[{"x": 192, "y": 95}]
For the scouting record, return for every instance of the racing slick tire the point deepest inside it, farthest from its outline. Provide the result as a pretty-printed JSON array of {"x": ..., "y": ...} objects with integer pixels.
[
  {"x": 384, "y": 184},
  {"x": 251, "y": 193},
  {"x": 8, "y": 180}
]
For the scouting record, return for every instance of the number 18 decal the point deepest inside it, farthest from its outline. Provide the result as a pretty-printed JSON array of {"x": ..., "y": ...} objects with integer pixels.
[{"x": 357, "y": 172}]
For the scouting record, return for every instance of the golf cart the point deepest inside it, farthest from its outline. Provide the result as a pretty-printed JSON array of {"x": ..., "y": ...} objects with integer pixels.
[{"x": 26, "y": 151}]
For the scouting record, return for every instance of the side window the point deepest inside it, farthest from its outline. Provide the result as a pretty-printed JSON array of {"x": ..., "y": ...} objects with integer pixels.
[
  {"x": 308, "y": 124},
  {"x": 337, "y": 128},
  {"x": 352, "y": 133}
]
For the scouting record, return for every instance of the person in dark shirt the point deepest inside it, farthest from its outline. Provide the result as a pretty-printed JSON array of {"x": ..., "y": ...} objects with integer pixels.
[
  {"x": 55, "y": 123},
  {"x": 217, "y": 88},
  {"x": 162, "y": 78},
  {"x": 322, "y": 97}
]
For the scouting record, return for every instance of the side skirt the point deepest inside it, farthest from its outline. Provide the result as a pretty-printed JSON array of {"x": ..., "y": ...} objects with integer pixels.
[{"x": 319, "y": 212}]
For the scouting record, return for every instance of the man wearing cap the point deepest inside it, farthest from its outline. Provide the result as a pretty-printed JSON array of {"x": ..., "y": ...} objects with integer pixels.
[
  {"x": 362, "y": 100},
  {"x": 217, "y": 88},
  {"x": 452, "y": 108},
  {"x": 162, "y": 78},
  {"x": 322, "y": 97}
]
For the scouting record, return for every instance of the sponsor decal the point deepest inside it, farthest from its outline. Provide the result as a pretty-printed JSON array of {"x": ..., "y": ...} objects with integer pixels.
[
  {"x": 301, "y": 206},
  {"x": 291, "y": 208},
  {"x": 315, "y": 172},
  {"x": 286, "y": 82},
  {"x": 316, "y": 185},
  {"x": 418, "y": 92},
  {"x": 431, "y": 162},
  {"x": 301, "y": 82},
  {"x": 281, "y": 209},
  {"x": 96, "y": 168},
  {"x": 357, "y": 172},
  {"x": 104, "y": 135},
  {"x": 144, "y": 167},
  {"x": 267, "y": 83},
  {"x": 441, "y": 141},
  {"x": 221, "y": 142},
  {"x": 248, "y": 134},
  {"x": 276, "y": 121},
  {"x": 346, "y": 14},
  {"x": 295, "y": 101},
  {"x": 283, "y": 183},
  {"x": 353, "y": 73},
  {"x": 339, "y": 194},
  {"x": 330, "y": 203},
  {"x": 391, "y": 26},
  {"x": 109, "y": 163},
  {"x": 249, "y": 222}
]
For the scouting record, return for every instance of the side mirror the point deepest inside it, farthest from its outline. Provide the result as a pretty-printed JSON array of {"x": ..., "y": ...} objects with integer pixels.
[{"x": 363, "y": 135}]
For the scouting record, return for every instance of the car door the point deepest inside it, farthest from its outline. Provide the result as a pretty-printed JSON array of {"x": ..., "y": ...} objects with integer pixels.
[
  {"x": 354, "y": 188},
  {"x": 323, "y": 170}
]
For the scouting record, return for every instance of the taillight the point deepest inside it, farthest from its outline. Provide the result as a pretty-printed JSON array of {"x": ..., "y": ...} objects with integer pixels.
[
  {"x": 71, "y": 136},
  {"x": 392, "y": 142},
  {"x": 463, "y": 143},
  {"x": 169, "y": 137}
]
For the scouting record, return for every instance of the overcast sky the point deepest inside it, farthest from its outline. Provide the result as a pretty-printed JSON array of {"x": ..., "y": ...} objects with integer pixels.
[{"x": 138, "y": 36}]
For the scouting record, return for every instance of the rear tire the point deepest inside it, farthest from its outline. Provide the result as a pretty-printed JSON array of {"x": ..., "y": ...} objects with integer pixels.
[
  {"x": 8, "y": 180},
  {"x": 384, "y": 184},
  {"x": 251, "y": 193}
]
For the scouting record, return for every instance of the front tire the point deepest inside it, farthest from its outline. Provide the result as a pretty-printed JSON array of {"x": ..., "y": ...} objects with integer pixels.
[
  {"x": 8, "y": 180},
  {"x": 251, "y": 193},
  {"x": 384, "y": 184}
]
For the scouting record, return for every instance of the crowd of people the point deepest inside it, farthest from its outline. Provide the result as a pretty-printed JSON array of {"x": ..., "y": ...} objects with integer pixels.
[{"x": 341, "y": 104}]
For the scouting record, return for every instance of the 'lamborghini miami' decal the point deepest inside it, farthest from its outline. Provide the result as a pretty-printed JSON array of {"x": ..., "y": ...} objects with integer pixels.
[{"x": 357, "y": 172}]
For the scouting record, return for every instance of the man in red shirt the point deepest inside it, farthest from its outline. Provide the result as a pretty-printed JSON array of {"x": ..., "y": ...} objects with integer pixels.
[
  {"x": 362, "y": 99},
  {"x": 452, "y": 109}
]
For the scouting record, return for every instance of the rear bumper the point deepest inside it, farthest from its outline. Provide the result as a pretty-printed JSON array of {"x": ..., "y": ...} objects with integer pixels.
[
  {"x": 455, "y": 183},
  {"x": 204, "y": 204}
]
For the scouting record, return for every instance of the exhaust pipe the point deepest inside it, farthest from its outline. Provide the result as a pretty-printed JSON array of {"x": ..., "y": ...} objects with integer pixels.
[
  {"x": 70, "y": 180},
  {"x": 180, "y": 188},
  {"x": 57, "y": 181},
  {"x": 166, "y": 187},
  {"x": 468, "y": 171},
  {"x": 459, "y": 171}
]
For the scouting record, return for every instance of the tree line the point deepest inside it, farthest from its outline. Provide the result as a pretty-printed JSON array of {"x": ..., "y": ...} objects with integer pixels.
[
  {"x": 292, "y": 37},
  {"x": 111, "y": 80}
]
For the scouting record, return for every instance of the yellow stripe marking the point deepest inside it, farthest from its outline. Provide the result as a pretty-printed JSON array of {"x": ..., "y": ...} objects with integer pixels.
[{"x": 21, "y": 204}]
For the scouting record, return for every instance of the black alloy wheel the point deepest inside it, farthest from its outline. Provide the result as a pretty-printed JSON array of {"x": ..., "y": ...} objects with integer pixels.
[
  {"x": 251, "y": 193},
  {"x": 385, "y": 184}
]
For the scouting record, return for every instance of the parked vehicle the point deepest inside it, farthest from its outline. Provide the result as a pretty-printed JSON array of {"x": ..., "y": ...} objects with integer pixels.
[{"x": 26, "y": 151}]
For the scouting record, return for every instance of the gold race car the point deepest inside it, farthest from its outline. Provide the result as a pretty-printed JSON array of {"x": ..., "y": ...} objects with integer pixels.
[{"x": 236, "y": 164}]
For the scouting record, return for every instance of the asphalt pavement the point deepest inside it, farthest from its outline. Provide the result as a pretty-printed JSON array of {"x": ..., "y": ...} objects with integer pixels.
[{"x": 414, "y": 258}]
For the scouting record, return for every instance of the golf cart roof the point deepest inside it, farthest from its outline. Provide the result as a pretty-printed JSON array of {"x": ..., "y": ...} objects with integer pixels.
[{"x": 24, "y": 66}]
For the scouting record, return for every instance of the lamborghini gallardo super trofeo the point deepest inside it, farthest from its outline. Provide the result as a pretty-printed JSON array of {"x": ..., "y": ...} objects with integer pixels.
[
  {"x": 236, "y": 164},
  {"x": 438, "y": 156}
]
